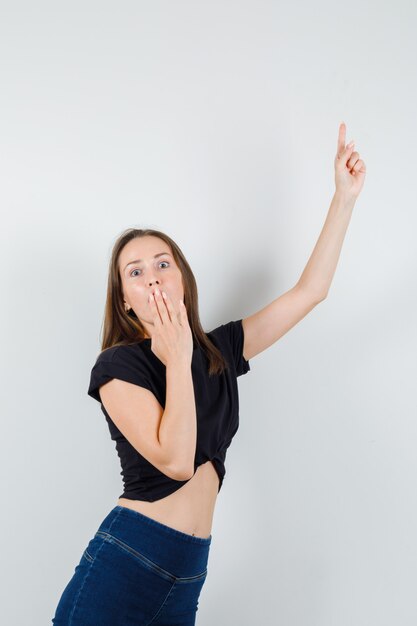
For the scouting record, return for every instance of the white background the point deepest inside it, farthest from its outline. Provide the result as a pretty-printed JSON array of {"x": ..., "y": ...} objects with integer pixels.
[{"x": 217, "y": 123}]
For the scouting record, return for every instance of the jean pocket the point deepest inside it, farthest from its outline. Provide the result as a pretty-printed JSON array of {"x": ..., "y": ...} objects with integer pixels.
[
  {"x": 93, "y": 547},
  {"x": 137, "y": 556},
  {"x": 116, "y": 585}
]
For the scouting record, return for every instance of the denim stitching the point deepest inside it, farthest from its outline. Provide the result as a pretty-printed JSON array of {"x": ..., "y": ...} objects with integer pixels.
[
  {"x": 192, "y": 579},
  {"x": 148, "y": 562},
  {"x": 162, "y": 605},
  {"x": 179, "y": 580},
  {"x": 88, "y": 556},
  {"x": 87, "y": 575}
]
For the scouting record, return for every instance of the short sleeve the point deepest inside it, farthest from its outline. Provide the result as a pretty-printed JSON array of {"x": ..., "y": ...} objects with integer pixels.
[
  {"x": 120, "y": 364},
  {"x": 234, "y": 335}
]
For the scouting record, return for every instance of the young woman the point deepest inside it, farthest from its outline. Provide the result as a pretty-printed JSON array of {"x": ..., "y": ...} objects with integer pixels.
[{"x": 169, "y": 393}]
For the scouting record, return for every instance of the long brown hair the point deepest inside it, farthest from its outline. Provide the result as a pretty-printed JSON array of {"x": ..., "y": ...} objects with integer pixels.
[{"x": 125, "y": 328}]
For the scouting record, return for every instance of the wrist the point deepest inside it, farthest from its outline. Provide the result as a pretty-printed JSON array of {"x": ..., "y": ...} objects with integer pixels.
[
  {"x": 179, "y": 364},
  {"x": 344, "y": 198}
]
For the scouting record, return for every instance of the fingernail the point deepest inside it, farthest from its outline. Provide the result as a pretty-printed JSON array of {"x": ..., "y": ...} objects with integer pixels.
[
  {"x": 164, "y": 295},
  {"x": 352, "y": 143},
  {"x": 151, "y": 297}
]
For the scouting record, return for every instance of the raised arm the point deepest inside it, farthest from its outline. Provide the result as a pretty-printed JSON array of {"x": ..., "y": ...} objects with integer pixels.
[{"x": 265, "y": 327}]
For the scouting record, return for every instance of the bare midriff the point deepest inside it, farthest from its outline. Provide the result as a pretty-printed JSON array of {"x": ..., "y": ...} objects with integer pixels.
[{"x": 190, "y": 509}]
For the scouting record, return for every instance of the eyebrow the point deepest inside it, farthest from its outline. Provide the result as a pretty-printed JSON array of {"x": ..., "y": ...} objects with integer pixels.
[{"x": 140, "y": 260}]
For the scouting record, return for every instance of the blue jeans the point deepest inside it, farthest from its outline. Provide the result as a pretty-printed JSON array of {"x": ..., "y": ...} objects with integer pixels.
[{"x": 135, "y": 571}]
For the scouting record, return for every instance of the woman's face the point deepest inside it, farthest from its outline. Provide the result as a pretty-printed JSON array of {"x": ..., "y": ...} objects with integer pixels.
[{"x": 141, "y": 273}]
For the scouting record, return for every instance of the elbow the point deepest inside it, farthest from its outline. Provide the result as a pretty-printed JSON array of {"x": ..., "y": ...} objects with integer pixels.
[
  {"x": 182, "y": 473},
  {"x": 320, "y": 297},
  {"x": 311, "y": 294},
  {"x": 177, "y": 470}
]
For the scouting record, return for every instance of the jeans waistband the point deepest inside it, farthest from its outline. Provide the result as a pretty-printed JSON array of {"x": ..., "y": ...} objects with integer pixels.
[{"x": 171, "y": 549}]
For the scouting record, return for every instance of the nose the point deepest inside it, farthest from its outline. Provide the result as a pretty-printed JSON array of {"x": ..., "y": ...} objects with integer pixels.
[{"x": 154, "y": 285}]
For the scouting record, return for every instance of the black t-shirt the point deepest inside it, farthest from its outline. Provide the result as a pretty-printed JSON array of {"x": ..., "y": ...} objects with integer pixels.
[{"x": 216, "y": 399}]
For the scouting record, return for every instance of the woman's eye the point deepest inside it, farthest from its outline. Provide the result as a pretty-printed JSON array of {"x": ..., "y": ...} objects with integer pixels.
[{"x": 137, "y": 270}]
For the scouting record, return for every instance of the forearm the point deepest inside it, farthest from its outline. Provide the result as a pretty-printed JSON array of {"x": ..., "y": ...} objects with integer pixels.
[
  {"x": 178, "y": 428},
  {"x": 319, "y": 271}
]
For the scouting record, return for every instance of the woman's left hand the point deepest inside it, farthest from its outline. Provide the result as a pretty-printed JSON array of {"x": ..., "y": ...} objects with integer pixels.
[{"x": 350, "y": 170}]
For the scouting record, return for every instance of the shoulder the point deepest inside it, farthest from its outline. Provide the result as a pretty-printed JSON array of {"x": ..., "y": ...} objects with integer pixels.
[
  {"x": 229, "y": 338},
  {"x": 126, "y": 362},
  {"x": 121, "y": 353},
  {"x": 228, "y": 332}
]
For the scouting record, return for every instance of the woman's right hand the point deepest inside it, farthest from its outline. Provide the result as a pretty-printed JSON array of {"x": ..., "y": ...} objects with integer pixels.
[{"x": 172, "y": 339}]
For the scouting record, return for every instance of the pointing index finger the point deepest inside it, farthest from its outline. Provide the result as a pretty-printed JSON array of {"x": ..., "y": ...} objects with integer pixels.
[{"x": 341, "y": 138}]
